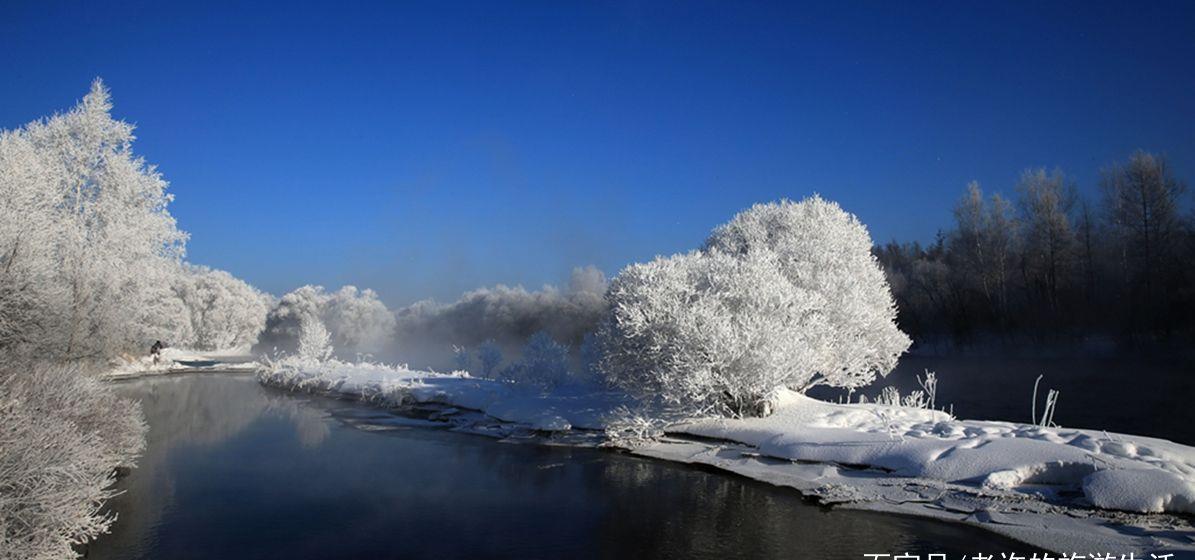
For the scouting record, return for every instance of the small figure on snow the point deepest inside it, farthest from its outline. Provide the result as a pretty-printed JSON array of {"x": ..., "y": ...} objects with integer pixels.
[{"x": 156, "y": 351}]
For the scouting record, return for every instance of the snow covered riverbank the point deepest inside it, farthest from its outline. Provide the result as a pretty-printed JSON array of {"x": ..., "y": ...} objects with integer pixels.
[
  {"x": 177, "y": 360},
  {"x": 1063, "y": 490}
]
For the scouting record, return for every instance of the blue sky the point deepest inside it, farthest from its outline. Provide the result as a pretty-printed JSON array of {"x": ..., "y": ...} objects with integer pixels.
[{"x": 424, "y": 149}]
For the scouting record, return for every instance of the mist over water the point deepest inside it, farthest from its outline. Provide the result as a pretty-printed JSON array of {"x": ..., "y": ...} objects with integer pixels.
[{"x": 425, "y": 333}]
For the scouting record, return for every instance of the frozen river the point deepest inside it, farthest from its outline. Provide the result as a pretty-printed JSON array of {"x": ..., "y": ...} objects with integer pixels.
[{"x": 234, "y": 470}]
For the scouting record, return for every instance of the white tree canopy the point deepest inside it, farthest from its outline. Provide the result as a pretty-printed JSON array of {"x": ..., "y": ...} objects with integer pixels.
[
  {"x": 785, "y": 294},
  {"x": 85, "y": 231},
  {"x": 358, "y": 322}
]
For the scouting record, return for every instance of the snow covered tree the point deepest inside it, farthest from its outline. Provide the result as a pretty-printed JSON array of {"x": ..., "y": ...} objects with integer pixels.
[
  {"x": 85, "y": 233},
  {"x": 461, "y": 357},
  {"x": 223, "y": 311},
  {"x": 357, "y": 320},
  {"x": 163, "y": 314},
  {"x": 785, "y": 294},
  {"x": 315, "y": 344},
  {"x": 489, "y": 354},
  {"x": 823, "y": 250},
  {"x": 544, "y": 362},
  {"x": 589, "y": 354},
  {"x": 284, "y": 322}
]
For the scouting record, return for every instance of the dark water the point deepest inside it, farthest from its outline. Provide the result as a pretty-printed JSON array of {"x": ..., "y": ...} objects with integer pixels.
[
  {"x": 235, "y": 470},
  {"x": 1118, "y": 394}
]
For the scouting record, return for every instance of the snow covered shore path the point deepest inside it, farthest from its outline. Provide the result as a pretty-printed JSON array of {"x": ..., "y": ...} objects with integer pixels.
[{"x": 1070, "y": 491}]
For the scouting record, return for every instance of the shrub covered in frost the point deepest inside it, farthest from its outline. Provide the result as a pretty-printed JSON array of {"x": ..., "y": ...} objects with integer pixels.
[
  {"x": 627, "y": 429},
  {"x": 64, "y": 434},
  {"x": 785, "y": 294},
  {"x": 315, "y": 344}
]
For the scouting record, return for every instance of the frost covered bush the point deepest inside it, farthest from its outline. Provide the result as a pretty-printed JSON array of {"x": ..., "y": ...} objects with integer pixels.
[
  {"x": 544, "y": 362},
  {"x": 889, "y": 396},
  {"x": 313, "y": 354},
  {"x": 64, "y": 434},
  {"x": 629, "y": 429},
  {"x": 315, "y": 344},
  {"x": 785, "y": 294},
  {"x": 358, "y": 322}
]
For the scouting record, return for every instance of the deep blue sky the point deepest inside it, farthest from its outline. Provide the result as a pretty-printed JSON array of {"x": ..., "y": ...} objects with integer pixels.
[{"x": 427, "y": 148}]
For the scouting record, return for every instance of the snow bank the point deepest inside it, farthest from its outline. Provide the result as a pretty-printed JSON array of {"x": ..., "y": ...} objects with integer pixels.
[
  {"x": 1147, "y": 490},
  {"x": 1113, "y": 471},
  {"x": 180, "y": 360},
  {"x": 562, "y": 410}
]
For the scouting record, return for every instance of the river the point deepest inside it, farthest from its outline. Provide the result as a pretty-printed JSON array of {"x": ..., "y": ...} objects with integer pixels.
[{"x": 234, "y": 470}]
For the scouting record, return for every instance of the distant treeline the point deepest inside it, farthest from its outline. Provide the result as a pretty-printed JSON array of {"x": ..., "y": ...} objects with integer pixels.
[{"x": 1051, "y": 266}]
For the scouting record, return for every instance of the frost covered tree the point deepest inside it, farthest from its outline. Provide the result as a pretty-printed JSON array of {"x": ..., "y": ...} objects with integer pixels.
[
  {"x": 489, "y": 356},
  {"x": 544, "y": 362},
  {"x": 709, "y": 330},
  {"x": 461, "y": 357},
  {"x": 85, "y": 232},
  {"x": 358, "y": 321},
  {"x": 223, "y": 311},
  {"x": 823, "y": 250},
  {"x": 785, "y": 294},
  {"x": 589, "y": 354},
  {"x": 315, "y": 344}
]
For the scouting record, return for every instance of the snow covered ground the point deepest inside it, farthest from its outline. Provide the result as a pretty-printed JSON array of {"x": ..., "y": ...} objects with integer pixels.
[
  {"x": 178, "y": 360},
  {"x": 1070, "y": 491}
]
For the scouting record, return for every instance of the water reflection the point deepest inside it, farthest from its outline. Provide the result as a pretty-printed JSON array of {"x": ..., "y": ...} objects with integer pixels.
[
  {"x": 236, "y": 471},
  {"x": 187, "y": 414}
]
